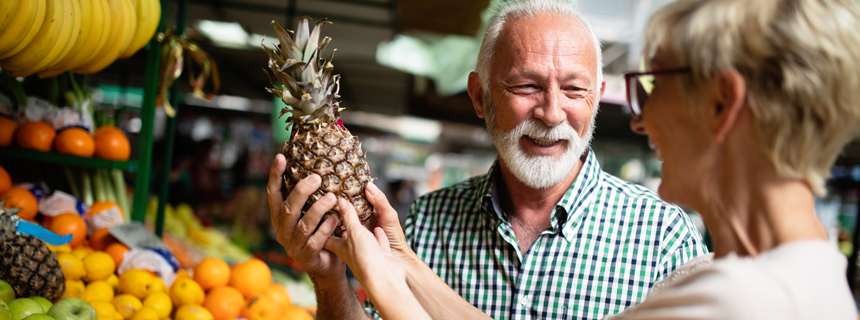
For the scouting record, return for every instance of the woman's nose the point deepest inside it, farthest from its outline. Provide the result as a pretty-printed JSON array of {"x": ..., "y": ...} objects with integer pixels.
[{"x": 638, "y": 126}]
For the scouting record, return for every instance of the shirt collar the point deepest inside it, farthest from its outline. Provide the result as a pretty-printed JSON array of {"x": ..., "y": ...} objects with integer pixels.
[{"x": 569, "y": 209}]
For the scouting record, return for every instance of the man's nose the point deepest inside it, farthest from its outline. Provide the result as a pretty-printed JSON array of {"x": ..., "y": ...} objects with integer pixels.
[
  {"x": 638, "y": 126},
  {"x": 551, "y": 110}
]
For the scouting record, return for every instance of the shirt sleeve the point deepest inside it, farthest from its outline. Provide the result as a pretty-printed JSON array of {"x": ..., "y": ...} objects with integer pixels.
[{"x": 681, "y": 242}]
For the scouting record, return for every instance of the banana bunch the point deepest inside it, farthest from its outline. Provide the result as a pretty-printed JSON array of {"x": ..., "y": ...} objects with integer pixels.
[{"x": 49, "y": 37}]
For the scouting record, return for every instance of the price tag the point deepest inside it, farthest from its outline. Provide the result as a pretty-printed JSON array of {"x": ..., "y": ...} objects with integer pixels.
[{"x": 135, "y": 236}]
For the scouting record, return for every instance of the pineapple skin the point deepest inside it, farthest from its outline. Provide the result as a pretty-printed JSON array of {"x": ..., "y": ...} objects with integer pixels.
[
  {"x": 334, "y": 154},
  {"x": 30, "y": 267}
]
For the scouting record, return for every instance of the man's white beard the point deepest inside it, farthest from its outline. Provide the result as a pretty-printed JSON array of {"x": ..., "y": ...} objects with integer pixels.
[{"x": 535, "y": 171}]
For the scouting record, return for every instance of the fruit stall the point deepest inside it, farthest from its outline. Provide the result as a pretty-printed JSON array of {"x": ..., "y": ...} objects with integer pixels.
[{"x": 76, "y": 240}]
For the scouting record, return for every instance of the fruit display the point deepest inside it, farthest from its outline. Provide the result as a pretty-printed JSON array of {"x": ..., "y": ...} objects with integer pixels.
[
  {"x": 50, "y": 37},
  {"x": 319, "y": 143}
]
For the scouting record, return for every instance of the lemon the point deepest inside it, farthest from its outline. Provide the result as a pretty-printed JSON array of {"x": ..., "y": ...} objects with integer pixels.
[
  {"x": 158, "y": 286},
  {"x": 99, "y": 266},
  {"x": 73, "y": 267},
  {"x": 136, "y": 282},
  {"x": 193, "y": 312},
  {"x": 186, "y": 290},
  {"x": 98, "y": 290},
  {"x": 161, "y": 302},
  {"x": 62, "y": 248},
  {"x": 127, "y": 305},
  {"x": 80, "y": 253},
  {"x": 74, "y": 289},
  {"x": 113, "y": 280},
  {"x": 104, "y": 309},
  {"x": 145, "y": 313}
]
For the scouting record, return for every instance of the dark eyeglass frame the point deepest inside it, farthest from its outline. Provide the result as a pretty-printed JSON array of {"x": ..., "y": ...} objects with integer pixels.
[{"x": 637, "y": 106}]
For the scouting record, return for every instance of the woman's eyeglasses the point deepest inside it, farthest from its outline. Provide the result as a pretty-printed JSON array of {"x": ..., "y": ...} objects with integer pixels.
[{"x": 639, "y": 86}]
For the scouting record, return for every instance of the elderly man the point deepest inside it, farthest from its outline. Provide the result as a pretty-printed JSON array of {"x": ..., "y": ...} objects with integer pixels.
[{"x": 545, "y": 233}]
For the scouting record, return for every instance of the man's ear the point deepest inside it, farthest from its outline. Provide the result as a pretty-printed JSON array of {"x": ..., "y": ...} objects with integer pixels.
[
  {"x": 476, "y": 93},
  {"x": 730, "y": 102}
]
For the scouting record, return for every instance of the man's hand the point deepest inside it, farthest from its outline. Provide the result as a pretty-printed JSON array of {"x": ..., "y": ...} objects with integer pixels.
[
  {"x": 296, "y": 232},
  {"x": 387, "y": 219}
]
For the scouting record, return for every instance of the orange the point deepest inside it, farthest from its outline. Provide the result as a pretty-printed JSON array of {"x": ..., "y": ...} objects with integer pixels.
[
  {"x": 17, "y": 197},
  {"x": 101, "y": 238},
  {"x": 36, "y": 135},
  {"x": 211, "y": 273},
  {"x": 75, "y": 141},
  {"x": 296, "y": 313},
  {"x": 69, "y": 223},
  {"x": 101, "y": 206},
  {"x": 251, "y": 277},
  {"x": 7, "y": 130},
  {"x": 182, "y": 273},
  {"x": 112, "y": 144},
  {"x": 279, "y": 294},
  {"x": 261, "y": 307},
  {"x": 225, "y": 303},
  {"x": 5, "y": 180},
  {"x": 117, "y": 251}
]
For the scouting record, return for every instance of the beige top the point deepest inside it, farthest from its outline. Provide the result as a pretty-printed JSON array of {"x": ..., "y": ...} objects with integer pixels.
[{"x": 797, "y": 280}]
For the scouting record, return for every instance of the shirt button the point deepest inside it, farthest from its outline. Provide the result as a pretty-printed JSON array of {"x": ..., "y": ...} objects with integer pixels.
[{"x": 525, "y": 301}]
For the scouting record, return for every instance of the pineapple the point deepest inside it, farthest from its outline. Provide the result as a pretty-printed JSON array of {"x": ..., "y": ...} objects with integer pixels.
[
  {"x": 319, "y": 144},
  {"x": 26, "y": 263}
]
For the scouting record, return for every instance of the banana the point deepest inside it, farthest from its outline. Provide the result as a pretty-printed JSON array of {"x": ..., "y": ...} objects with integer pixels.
[
  {"x": 107, "y": 23},
  {"x": 123, "y": 10},
  {"x": 148, "y": 17},
  {"x": 91, "y": 29},
  {"x": 113, "y": 14},
  {"x": 77, "y": 18},
  {"x": 7, "y": 10},
  {"x": 24, "y": 26},
  {"x": 50, "y": 42}
]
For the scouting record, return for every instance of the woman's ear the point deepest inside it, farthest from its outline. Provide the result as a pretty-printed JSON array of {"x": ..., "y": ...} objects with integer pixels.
[
  {"x": 730, "y": 102},
  {"x": 476, "y": 93}
]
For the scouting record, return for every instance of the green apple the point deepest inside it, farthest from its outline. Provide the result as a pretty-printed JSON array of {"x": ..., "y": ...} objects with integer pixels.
[
  {"x": 5, "y": 313},
  {"x": 46, "y": 305},
  {"x": 73, "y": 309},
  {"x": 23, "y": 307},
  {"x": 7, "y": 293},
  {"x": 39, "y": 316}
]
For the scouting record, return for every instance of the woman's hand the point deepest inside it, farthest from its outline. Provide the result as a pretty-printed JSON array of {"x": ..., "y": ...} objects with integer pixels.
[{"x": 369, "y": 257}]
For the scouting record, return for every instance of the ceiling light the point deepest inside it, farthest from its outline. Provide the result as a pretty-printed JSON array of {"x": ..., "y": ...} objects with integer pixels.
[{"x": 229, "y": 34}]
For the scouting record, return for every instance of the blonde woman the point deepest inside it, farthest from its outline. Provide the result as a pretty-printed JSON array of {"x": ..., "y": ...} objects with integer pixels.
[{"x": 748, "y": 103}]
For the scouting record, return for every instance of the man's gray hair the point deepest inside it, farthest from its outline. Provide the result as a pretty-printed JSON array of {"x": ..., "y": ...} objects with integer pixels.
[{"x": 529, "y": 8}]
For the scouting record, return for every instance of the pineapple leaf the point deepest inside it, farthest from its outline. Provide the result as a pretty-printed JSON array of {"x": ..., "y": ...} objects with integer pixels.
[
  {"x": 302, "y": 35},
  {"x": 288, "y": 47},
  {"x": 313, "y": 40}
]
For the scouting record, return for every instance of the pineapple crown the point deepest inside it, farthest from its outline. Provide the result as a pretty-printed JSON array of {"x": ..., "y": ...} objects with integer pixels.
[
  {"x": 8, "y": 218},
  {"x": 308, "y": 87}
]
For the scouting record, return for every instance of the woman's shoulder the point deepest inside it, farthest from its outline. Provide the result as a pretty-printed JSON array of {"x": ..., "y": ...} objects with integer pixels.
[{"x": 792, "y": 281}]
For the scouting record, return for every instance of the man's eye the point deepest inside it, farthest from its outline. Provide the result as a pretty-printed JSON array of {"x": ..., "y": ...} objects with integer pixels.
[{"x": 524, "y": 88}]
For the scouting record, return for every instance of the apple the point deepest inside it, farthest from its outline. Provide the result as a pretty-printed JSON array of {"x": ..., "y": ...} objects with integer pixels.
[
  {"x": 73, "y": 309},
  {"x": 5, "y": 313},
  {"x": 46, "y": 305},
  {"x": 7, "y": 293},
  {"x": 39, "y": 316},
  {"x": 23, "y": 307}
]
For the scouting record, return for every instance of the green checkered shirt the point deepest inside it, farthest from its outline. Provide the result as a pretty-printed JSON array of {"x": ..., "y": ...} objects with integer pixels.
[{"x": 609, "y": 242}]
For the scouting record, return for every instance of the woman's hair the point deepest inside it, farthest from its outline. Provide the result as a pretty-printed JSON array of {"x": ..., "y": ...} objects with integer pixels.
[
  {"x": 528, "y": 8},
  {"x": 800, "y": 60}
]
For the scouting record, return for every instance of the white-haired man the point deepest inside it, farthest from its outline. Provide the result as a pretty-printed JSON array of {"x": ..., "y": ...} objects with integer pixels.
[{"x": 545, "y": 234}]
